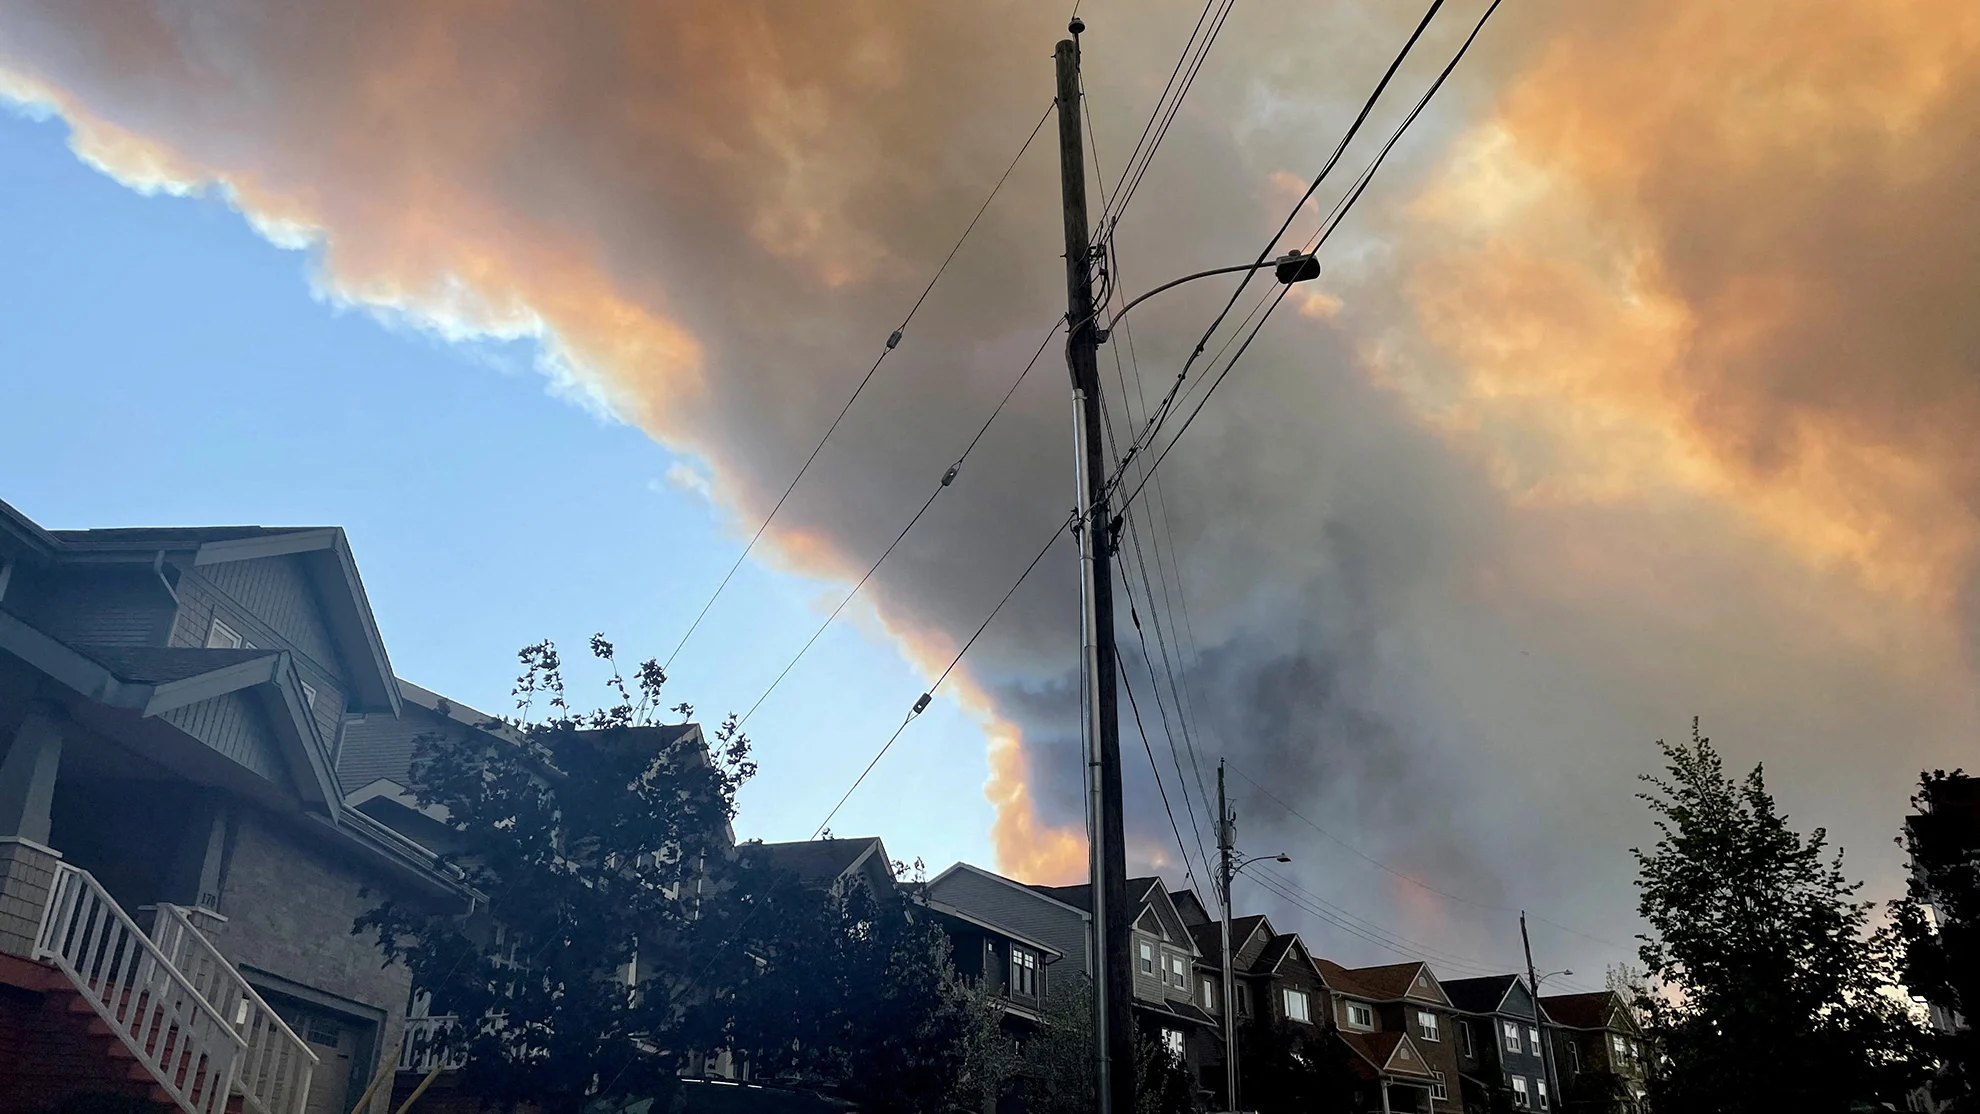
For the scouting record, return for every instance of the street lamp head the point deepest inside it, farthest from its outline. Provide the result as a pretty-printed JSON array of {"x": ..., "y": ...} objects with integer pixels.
[
  {"x": 1283, "y": 858},
  {"x": 1295, "y": 266}
]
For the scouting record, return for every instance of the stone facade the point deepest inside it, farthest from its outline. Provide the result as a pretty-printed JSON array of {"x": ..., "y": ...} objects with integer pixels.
[{"x": 27, "y": 874}]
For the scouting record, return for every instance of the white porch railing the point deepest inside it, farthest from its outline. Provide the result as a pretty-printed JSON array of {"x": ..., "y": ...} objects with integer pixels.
[
  {"x": 419, "y": 1048},
  {"x": 276, "y": 1064},
  {"x": 188, "y": 1045}
]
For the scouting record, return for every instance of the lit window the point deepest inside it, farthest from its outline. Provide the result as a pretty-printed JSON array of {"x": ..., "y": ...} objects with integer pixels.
[
  {"x": 1426, "y": 1026},
  {"x": 1360, "y": 1016},
  {"x": 1620, "y": 1045},
  {"x": 220, "y": 636},
  {"x": 1296, "y": 1006},
  {"x": 1512, "y": 1036},
  {"x": 1519, "y": 1093},
  {"x": 1024, "y": 972},
  {"x": 1172, "y": 1042},
  {"x": 1210, "y": 995},
  {"x": 1437, "y": 1090},
  {"x": 1147, "y": 958},
  {"x": 1540, "y": 1090}
]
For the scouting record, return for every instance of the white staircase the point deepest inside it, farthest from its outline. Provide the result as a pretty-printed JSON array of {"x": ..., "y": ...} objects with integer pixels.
[{"x": 182, "y": 1010}]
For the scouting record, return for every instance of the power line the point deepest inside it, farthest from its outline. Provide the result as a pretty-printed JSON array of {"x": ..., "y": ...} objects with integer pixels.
[
  {"x": 1156, "y": 769},
  {"x": 893, "y": 341},
  {"x": 1166, "y": 109},
  {"x": 1406, "y": 877},
  {"x": 1329, "y": 225},
  {"x": 1154, "y": 422},
  {"x": 948, "y": 478},
  {"x": 927, "y": 697}
]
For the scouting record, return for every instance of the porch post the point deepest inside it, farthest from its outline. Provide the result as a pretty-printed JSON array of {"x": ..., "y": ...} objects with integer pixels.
[
  {"x": 27, "y": 863},
  {"x": 27, "y": 774},
  {"x": 1384, "y": 1085}
]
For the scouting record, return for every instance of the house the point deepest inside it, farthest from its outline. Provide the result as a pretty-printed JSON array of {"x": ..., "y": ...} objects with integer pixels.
[
  {"x": 1499, "y": 1048},
  {"x": 834, "y": 863},
  {"x": 179, "y": 866},
  {"x": 1403, "y": 998},
  {"x": 1023, "y": 911},
  {"x": 1167, "y": 986},
  {"x": 1600, "y": 1055}
]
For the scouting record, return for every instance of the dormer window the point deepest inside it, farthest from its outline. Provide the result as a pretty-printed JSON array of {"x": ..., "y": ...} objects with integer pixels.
[
  {"x": 1360, "y": 1016},
  {"x": 1147, "y": 958},
  {"x": 220, "y": 636},
  {"x": 1178, "y": 972}
]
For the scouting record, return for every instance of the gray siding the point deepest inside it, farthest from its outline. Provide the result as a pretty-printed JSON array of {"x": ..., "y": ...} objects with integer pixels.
[
  {"x": 279, "y": 612},
  {"x": 236, "y": 726},
  {"x": 1030, "y": 915},
  {"x": 108, "y": 608}
]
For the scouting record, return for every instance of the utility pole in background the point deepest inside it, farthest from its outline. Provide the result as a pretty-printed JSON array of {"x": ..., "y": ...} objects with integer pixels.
[
  {"x": 1540, "y": 1020},
  {"x": 1107, "y": 854},
  {"x": 1224, "y": 854}
]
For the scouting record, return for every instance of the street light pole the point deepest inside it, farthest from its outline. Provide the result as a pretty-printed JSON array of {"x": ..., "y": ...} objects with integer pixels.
[
  {"x": 1106, "y": 844},
  {"x": 1224, "y": 873},
  {"x": 1540, "y": 1018}
]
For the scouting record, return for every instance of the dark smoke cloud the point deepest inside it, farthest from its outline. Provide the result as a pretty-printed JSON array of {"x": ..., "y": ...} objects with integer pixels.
[{"x": 1641, "y": 386}]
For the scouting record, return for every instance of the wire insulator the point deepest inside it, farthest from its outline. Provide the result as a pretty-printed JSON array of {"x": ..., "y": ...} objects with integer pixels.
[
  {"x": 894, "y": 339},
  {"x": 921, "y": 705},
  {"x": 949, "y": 476}
]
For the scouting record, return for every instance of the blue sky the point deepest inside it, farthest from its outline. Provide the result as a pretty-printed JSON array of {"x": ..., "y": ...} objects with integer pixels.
[{"x": 165, "y": 365}]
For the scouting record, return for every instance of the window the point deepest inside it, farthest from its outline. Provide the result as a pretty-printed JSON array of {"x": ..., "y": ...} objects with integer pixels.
[
  {"x": 1512, "y": 1036},
  {"x": 1024, "y": 972},
  {"x": 1540, "y": 1091},
  {"x": 1620, "y": 1045},
  {"x": 1178, "y": 971},
  {"x": 1533, "y": 1040},
  {"x": 1360, "y": 1016},
  {"x": 1574, "y": 1056},
  {"x": 1466, "y": 1042},
  {"x": 220, "y": 636},
  {"x": 1172, "y": 1042},
  {"x": 1437, "y": 1090},
  {"x": 1243, "y": 998},
  {"x": 1426, "y": 1026},
  {"x": 1296, "y": 1006},
  {"x": 1147, "y": 958},
  {"x": 1519, "y": 1093},
  {"x": 309, "y": 696},
  {"x": 1210, "y": 1003}
]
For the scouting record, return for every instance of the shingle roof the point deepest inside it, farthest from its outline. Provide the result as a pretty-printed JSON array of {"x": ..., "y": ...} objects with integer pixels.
[
  {"x": 1580, "y": 1011},
  {"x": 819, "y": 860},
  {"x": 158, "y": 665},
  {"x": 1481, "y": 995},
  {"x": 1210, "y": 941},
  {"x": 1379, "y": 1050},
  {"x": 1274, "y": 951},
  {"x": 1343, "y": 980},
  {"x": 1389, "y": 981},
  {"x": 1076, "y": 897}
]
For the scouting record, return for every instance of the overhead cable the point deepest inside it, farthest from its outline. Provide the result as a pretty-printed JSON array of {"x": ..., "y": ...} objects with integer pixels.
[{"x": 893, "y": 341}]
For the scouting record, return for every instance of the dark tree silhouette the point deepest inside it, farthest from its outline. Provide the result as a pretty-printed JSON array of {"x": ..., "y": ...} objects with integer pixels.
[
  {"x": 1769, "y": 992},
  {"x": 1939, "y": 925}
]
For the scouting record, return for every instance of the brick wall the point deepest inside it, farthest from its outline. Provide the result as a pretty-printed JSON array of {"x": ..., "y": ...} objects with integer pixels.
[{"x": 289, "y": 904}]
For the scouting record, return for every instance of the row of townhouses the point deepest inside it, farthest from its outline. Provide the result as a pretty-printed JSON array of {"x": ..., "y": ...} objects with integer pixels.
[{"x": 205, "y": 778}]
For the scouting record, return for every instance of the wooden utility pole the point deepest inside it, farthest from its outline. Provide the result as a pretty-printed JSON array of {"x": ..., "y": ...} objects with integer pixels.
[
  {"x": 1224, "y": 856},
  {"x": 1107, "y": 856},
  {"x": 1540, "y": 1021}
]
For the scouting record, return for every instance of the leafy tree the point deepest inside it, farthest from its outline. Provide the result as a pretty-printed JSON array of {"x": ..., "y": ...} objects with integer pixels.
[
  {"x": 1056, "y": 1074},
  {"x": 1293, "y": 1069},
  {"x": 852, "y": 991},
  {"x": 1161, "y": 1077},
  {"x": 1768, "y": 994},
  {"x": 1939, "y": 925},
  {"x": 584, "y": 835},
  {"x": 1596, "y": 1091}
]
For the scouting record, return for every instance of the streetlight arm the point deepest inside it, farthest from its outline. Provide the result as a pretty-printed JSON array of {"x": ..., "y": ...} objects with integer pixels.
[{"x": 1304, "y": 269}]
